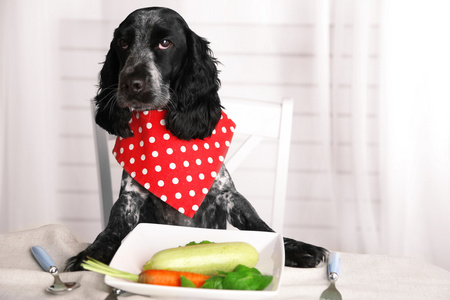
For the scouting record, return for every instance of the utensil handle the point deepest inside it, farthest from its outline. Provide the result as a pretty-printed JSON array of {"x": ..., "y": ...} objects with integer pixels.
[
  {"x": 42, "y": 258},
  {"x": 334, "y": 264}
]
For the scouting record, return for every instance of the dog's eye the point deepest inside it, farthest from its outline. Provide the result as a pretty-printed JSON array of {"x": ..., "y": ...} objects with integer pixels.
[
  {"x": 164, "y": 44},
  {"x": 123, "y": 44}
]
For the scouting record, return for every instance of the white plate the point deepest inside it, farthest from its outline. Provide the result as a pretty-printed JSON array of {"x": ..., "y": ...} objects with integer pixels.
[{"x": 147, "y": 239}]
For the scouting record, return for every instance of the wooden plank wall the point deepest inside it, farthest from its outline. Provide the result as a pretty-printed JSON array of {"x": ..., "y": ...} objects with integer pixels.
[{"x": 266, "y": 50}]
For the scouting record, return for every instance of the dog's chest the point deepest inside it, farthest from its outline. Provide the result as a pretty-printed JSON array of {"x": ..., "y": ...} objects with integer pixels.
[{"x": 179, "y": 172}]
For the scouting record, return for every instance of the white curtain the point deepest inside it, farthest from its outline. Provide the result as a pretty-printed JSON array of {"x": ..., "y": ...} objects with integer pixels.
[
  {"x": 28, "y": 89},
  {"x": 386, "y": 124},
  {"x": 415, "y": 130}
]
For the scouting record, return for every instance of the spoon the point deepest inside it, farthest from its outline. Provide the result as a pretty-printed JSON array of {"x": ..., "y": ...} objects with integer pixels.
[{"x": 48, "y": 265}]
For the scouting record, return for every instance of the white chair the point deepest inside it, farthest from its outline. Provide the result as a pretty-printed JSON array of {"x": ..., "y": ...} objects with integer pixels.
[{"x": 256, "y": 120}]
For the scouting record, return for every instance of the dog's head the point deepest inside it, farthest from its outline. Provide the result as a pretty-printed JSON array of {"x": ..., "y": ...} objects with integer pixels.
[{"x": 156, "y": 62}]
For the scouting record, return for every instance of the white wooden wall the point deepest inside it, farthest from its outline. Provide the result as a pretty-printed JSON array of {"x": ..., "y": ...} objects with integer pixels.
[{"x": 266, "y": 51}]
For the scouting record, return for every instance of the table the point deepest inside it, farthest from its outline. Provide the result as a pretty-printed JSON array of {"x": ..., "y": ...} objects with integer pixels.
[{"x": 363, "y": 276}]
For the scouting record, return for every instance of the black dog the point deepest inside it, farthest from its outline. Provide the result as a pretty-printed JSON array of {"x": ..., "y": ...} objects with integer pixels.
[{"x": 157, "y": 62}]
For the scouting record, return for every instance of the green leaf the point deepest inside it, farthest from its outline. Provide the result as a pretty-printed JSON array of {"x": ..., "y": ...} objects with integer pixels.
[
  {"x": 242, "y": 278},
  {"x": 245, "y": 278},
  {"x": 214, "y": 282},
  {"x": 265, "y": 280},
  {"x": 195, "y": 243},
  {"x": 186, "y": 282}
]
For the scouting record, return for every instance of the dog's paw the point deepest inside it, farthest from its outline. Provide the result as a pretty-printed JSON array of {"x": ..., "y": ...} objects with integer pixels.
[
  {"x": 74, "y": 263},
  {"x": 103, "y": 253},
  {"x": 302, "y": 255}
]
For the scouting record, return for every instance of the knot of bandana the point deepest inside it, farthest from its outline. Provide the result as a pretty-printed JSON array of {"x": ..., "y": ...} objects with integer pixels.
[{"x": 179, "y": 172}]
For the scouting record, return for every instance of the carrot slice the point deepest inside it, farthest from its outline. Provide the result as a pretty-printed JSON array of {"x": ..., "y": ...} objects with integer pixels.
[
  {"x": 171, "y": 278},
  {"x": 158, "y": 277}
]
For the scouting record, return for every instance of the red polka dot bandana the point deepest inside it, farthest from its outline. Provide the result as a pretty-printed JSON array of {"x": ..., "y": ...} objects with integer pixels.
[{"x": 179, "y": 172}]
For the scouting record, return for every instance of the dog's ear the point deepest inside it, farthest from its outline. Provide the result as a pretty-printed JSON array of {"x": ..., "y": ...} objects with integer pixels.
[
  {"x": 195, "y": 108},
  {"x": 109, "y": 115}
]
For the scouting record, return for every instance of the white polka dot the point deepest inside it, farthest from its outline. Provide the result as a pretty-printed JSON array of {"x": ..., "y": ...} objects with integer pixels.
[
  {"x": 140, "y": 129},
  {"x": 232, "y": 129},
  {"x": 221, "y": 158},
  {"x": 133, "y": 174},
  {"x": 166, "y": 136},
  {"x": 161, "y": 183},
  {"x": 152, "y": 139},
  {"x": 221, "y": 117},
  {"x": 172, "y": 166},
  {"x": 194, "y": 147},
  {"x": 158, "y": 168},
  {"x": 210, "y": 160},
  {"x": 162, "y": 122},
  {"x": 115, "y": 154},
  {"x": 214, "y": 131},
  {"x": 181, "y": 210},
  {"x": 206, "y": 145},
  {"x": 149, "y": 125},
  {"x": 147, "y": 185},
  {"x": 205, "y": 191},
  {"x": 155, "y": 153},
  {"x": 132, "y": 160},
  {"x": 195, "y": 207},
  {"x": 175, "y": 180},
  {"x": 141, "y": 143},
  {"x": 227, "y": 143},
  {"x": 144, "y": 171},
  {"x": 178, "y": 195},
  {"x": 224, "y": 130},
  {"x": 122, "y": 163},
  {"x": 217, "y": 144},
  {"x": 121, "y": 150},
  {"x": 192, "y": 193},
  {"x": 189, "y": 178},
  {"x": 183, "y": 149},
  {"x": 137, "y": 115},
  {"x": 169, "y": 151},
  {"x": 145, "y": 112},
  {"x": 201, "y": 176},
  {"x": 213, "y": 174},
  {"x": 143, "y": 157},
  {"x": 186, "y": 163},
  {"x": 198, "y": 161},
  {"x": 131, "y": 147},
  {"x": 131, "y": 120},
  {"x": 163, "y": 198}
]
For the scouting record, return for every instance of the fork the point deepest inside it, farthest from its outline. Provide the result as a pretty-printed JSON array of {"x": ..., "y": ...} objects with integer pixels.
[{"x": 334, "y": 266}]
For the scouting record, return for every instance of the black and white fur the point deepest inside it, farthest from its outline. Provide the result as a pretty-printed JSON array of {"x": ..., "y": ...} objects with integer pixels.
[{"x": 156, "y": 62}]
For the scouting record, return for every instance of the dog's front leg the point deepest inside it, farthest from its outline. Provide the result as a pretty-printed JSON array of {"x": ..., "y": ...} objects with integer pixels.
[
  {"x": 243, "y": 216},
  {"x": 125, "y": 215}
]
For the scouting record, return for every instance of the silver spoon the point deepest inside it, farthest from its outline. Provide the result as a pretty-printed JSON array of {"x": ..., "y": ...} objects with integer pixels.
[
  {"x": 48, "y": 265},
  {"x": 334, "y": 267}
]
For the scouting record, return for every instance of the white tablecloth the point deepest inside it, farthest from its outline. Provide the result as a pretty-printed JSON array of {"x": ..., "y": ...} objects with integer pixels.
[{"x": 362, "y": 276}]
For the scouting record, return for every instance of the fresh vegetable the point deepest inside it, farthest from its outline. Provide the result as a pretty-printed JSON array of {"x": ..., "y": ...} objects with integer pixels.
[
  {"x": 242, "y": 278},
  {"x": 208, "y": 258},
  {"x": 195, "y": 243},
  {"x": 159, "y": 277}
]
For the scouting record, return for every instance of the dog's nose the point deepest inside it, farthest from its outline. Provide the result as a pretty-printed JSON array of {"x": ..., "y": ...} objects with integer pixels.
[
  {"x": 133, "y": 86},
  {"x": 133, "y": 80},
  {"x": 136, "y": 86}
]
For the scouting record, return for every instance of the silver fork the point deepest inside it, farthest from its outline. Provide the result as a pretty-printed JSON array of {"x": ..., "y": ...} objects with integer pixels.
[{"x": 334, "y": 266}]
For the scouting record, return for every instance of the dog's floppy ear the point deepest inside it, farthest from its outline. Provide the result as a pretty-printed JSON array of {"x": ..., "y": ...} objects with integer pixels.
[
  {"x": 195, "y": 109},
  {"x": 109, "y": 115}
]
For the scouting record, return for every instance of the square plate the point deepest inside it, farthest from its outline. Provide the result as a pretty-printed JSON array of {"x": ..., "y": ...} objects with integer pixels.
[{"x": 147, "y": 239}]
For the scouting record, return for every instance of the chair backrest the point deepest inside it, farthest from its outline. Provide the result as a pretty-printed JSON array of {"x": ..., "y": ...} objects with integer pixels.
[{"x": 255, "y": 120}]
